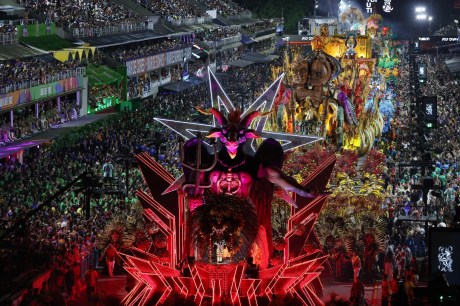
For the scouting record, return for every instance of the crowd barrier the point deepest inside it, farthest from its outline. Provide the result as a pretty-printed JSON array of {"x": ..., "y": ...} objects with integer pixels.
[
  {"x": 150, "y": 89},
  {"x": 90, "y": 260},
  {"x": 109, "y": 30},
  {"x": 19, "y": 21},
  {"x": 224, "y": 41},
  {"x": 190, "y": 21},
  {"x": 239, "y": 16},
  {"x": 154, "y": 19},
  {"x": 8, "y": 39}
]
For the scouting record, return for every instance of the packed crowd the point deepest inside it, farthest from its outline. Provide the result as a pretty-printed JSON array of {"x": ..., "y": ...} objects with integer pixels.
[
  {"x": 176, "y": 9},
  {"x": 28, "y": 72},
  {"x": 60, "y": 234},
  {"x": 446, "y": 147},
  {"x": 171, "y": 105},
  {"x": 452, "y": 29},
  {"x": 225, "y": 8},
  {"x": 215, "y": 34},
  {"x": 138, "y": 86},
  {"x": 133, "y": 51},
  {"x": 85, "y": 13},
  {"x": 98, "y": 95},
  {"x": 26, "y": 122},
  {"x": 406, "y": 240},
  {"x": 62, "y": 237},
  {"x": 267, "y": 24},
  {"x": 249, "y": 82},
  {"x": 7, "y": 28},
  {"x": 62, "y": 230}
]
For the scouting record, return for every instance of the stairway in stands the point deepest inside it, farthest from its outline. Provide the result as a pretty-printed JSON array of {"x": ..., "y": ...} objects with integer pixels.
[{"x": 163, "y": 28}]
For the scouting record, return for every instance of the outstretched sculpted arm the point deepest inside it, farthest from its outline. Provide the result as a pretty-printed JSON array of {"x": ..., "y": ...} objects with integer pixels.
[{"x": 274, "y": 175}]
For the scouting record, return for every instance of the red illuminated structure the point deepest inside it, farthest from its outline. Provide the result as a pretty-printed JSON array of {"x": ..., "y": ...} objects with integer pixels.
[
  {"x": 157, "y": 278},
  {"x": 225, "y": 174}
]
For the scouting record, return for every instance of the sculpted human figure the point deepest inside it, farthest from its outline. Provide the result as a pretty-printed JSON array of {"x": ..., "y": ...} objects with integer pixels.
[{"x": 237, "y": 173}]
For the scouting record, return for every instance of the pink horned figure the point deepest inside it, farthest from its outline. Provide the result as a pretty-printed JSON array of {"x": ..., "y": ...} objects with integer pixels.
[{"x": 233, "y": 172}]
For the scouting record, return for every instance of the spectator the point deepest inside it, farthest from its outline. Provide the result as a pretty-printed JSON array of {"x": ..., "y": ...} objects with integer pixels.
[
  {"x": 174, "y": 9},
  {"x": 386, "y": 291},
  {"x": 142, "y": 49},
  {"x": 225, "y": 8},
  {"x": 70, "y": 282},
  {"x": 91, "y": 277},
  {"x": 109, "y": 254},
  {"x": 87, "y": 14},
  {"x": 28, "y": 72},
  {"x": 356, "y": 264},
  {"x": 357, "y": 293},
  {"x": 108, "y": 170}
]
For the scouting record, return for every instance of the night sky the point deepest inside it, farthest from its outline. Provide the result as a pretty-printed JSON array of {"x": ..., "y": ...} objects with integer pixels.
[{"x": 401, "y": 19}]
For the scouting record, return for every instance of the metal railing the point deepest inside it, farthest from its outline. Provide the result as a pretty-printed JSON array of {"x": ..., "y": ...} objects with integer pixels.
[
  {"x": 224, "y": 41},
  {"x": 8, "y": 39},
  {"x": 190, "y": 21},
  {"x": 151, "y": 87},
  {"x": 239, "y": 16},
  {"x": 154, "y": 19},
  {"x": 109, "y": 30},
  {"x": 90, "y": 260},
  {"x": 79, "y": 71}
]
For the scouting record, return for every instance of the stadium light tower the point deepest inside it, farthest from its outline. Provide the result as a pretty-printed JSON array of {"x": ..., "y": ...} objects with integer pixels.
[
  {"x": 420, "y": 13},
  {"x": 421, "y": 17}
]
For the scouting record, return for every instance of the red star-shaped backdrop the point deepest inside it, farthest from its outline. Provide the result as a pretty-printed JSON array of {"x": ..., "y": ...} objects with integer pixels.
[{"x": 157, "y": 277}]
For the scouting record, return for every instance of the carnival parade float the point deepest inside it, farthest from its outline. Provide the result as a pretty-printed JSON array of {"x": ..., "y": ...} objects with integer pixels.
[
  {"x": 343, "y": 90},
  {"x": 252, "y": 218},
  {"x": 215, "y": 221}
]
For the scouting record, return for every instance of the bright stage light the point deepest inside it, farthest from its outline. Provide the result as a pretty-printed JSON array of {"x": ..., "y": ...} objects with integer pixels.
[
  {"x": 420, "y": 9},
  {"x": 421, "y": 17},
  {"x": 430, "y": 18}
]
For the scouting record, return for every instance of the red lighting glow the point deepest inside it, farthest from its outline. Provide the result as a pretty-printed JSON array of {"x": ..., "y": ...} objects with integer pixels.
[{"x": 156, "y": 280}]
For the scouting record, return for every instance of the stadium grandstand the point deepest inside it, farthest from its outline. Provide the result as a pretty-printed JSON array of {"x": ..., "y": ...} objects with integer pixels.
[{"x": 80, "y": 82}]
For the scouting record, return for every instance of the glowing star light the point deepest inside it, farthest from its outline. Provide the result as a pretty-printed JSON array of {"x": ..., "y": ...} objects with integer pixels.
[{"x": 220, "y": 100}]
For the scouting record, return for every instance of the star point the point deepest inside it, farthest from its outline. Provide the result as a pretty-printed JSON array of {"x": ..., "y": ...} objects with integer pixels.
[{"x": 264, "y": 103}]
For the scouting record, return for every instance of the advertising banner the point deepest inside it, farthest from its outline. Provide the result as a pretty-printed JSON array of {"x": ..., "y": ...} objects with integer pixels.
[
  {"x": 444, "y": 255},
  {"x": 446, "y": 39},
  {"x": 150, "y": 63},
  {"x": 56, "y": 88},
  {"x": 146, "y": 64},
  {"x": 14, "y": 98},
  {"x": 36, "y": 93}
]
